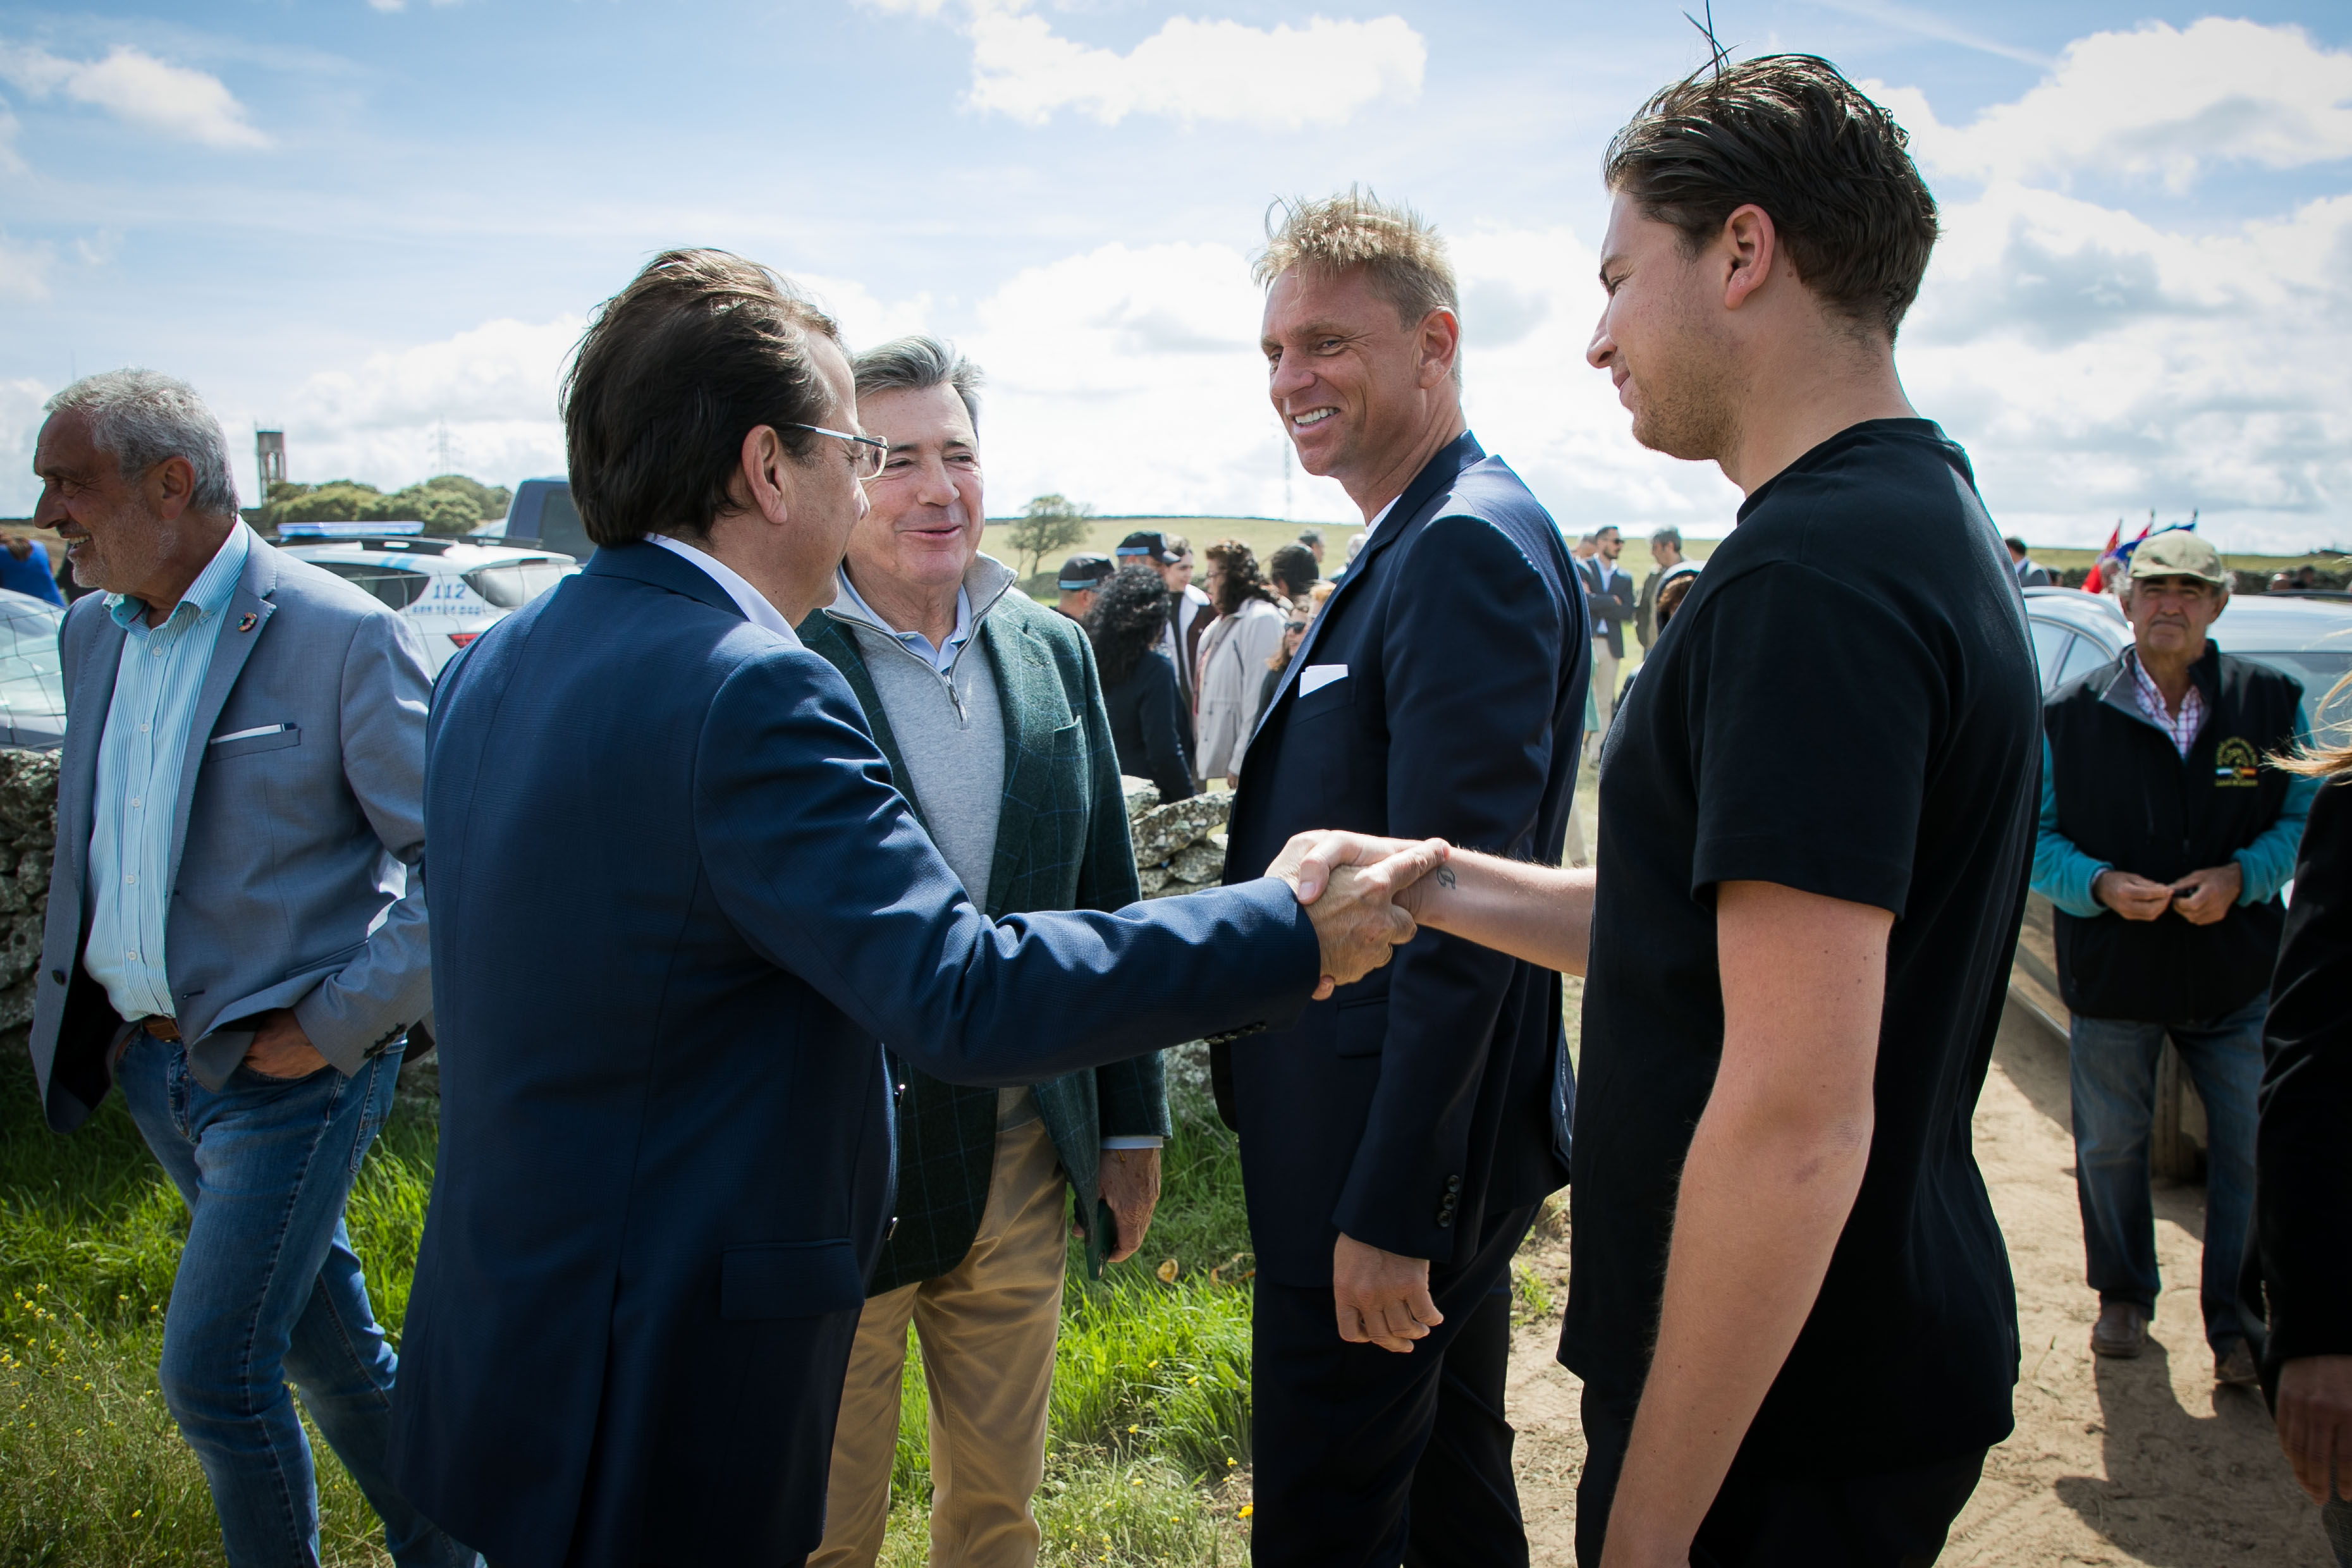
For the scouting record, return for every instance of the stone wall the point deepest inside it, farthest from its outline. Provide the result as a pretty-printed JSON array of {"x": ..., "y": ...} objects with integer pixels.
[{"x": 28, "y": 833}]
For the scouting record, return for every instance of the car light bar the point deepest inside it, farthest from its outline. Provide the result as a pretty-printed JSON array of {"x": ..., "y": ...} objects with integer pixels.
[
  {"x": 345, "y": 530},
  {"x": 462, "y": 638}
]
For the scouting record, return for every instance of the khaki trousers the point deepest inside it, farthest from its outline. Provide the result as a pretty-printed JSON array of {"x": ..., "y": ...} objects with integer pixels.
[
  {"x": 1604, "y": 695},
  {"x": 987, "y": 1329}
]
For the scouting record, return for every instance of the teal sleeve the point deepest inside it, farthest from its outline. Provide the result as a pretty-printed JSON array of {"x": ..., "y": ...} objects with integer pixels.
[
  {"x": 2063, "y": 873},
  {"x": 2267, "y": 863}
]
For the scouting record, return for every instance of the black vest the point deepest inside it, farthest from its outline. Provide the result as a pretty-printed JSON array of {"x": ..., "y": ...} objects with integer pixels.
[{"x": 2127, "y": 797}]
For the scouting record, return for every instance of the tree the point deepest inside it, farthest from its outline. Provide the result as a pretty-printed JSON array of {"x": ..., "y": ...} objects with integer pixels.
[
  {"x": 447, "y": 504},
  {"x": 1048, "y": 525}
]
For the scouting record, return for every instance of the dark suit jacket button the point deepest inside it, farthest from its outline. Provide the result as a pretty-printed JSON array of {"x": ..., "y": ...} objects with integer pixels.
[
  {"x": 58, "y": 977},
  {"x": 1452, "y": 1184},
  {"x": 1444, "y": 1220}
]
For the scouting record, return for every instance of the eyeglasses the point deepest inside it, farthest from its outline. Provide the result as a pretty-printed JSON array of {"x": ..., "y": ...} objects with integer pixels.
[
  {"x": 866, "y": 452},
  {"x": 1295, "y": 626}
]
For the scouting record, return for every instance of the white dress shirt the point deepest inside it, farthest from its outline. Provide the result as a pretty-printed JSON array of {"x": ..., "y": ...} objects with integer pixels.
[{"x": 747, "y": 599}]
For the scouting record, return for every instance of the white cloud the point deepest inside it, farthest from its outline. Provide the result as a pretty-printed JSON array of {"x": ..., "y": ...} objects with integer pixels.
[
  {"x": 20, "y": 428},
  {"x": 1130, "y": 377},
  {"x": 2157, "y": 102},
  {"x": 137, "y": 88},
  {"x": 493, "y": 387},
  {"x": 1320, "y": 73},
  {"x": 2098, "y": 365}
]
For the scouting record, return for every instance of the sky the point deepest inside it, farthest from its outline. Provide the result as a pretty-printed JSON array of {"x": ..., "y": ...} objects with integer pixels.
[{"x": 380, "y": 225}]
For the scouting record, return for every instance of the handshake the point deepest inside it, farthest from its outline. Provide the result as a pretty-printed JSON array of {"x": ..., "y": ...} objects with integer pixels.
[{"x": 1362, "y": 895}]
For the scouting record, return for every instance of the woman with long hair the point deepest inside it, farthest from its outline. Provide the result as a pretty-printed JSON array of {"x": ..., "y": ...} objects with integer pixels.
[
  {"x": 2303, "y": 1184},
  {"x": 1138, "y": 684},
  {"x": 1245, "y": 633}
]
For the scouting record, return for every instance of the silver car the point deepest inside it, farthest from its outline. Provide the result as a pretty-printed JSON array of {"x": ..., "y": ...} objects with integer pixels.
[
  {"x": 2308, "y": 636},
  {"x": 32, "y": 676}
]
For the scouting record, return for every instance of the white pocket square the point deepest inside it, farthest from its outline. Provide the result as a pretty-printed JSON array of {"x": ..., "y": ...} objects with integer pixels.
[{"x": 1315, "y": 677}]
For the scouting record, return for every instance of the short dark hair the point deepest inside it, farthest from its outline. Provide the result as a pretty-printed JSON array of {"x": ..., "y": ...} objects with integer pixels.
[
  {"x": 1293, "y": 566},
  {"x": 700, "y": 349},
  {"x": 1790, "y": 134},
  {"x": 2015, "y": 543}
]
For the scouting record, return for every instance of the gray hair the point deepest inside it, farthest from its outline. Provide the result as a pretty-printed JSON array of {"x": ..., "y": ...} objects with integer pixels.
[
  {"x": 144, "y": 416},
  {"x": 1669, "y": 534},
  {"x": 917, "y": 363}
]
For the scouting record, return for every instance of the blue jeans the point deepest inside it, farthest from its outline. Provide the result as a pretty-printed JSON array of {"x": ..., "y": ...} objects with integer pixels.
[
  {"x": 268, "y": 1291},
  {"x": 2112, "y": 1063}
]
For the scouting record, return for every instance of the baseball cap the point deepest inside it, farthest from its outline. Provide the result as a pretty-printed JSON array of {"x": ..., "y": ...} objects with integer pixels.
[
  {"x": 2177, "y": 552},
  {"x": 1083, "y": 572},
  {"x": 1147, "y": 545}
]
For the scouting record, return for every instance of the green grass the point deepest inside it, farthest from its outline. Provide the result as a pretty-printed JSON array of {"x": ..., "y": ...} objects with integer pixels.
[{"x": 1147, "y": 1452}]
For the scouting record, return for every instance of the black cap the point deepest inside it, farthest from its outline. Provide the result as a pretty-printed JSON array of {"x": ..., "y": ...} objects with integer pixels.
[
  {"x": 1147, "y": 545},
  {"x": 1083, "y": 572}
]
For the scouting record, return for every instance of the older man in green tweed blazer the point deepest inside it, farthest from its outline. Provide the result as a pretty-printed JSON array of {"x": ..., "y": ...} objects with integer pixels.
[{"x": 988, "y": 708}]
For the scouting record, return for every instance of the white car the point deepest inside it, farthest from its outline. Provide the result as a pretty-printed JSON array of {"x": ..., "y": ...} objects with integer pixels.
[{"x": 451, "y": 590}]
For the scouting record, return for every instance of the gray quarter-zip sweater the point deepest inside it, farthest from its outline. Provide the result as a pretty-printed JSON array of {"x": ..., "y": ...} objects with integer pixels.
[{"x": 950, "y": 726}]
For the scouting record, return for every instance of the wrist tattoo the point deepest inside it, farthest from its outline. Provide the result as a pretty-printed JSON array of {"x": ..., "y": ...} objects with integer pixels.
[{"x": 1445, "y": 875}]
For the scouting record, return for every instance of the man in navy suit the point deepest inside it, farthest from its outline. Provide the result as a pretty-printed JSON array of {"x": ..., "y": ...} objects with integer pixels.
[
  {"x": 679, "y": 908},
  {"x": 1397, "y": 1139}
]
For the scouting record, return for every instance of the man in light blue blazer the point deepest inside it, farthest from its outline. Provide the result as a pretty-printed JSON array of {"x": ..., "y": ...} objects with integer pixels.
[{"x": 235, "y": 933}]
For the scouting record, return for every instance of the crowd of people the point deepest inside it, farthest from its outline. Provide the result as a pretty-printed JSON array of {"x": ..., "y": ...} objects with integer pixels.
[{"x": 780, "y": 929}]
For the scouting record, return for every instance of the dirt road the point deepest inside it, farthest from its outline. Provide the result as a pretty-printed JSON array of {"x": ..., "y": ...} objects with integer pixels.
[{"x": 2142, "y": 1462}]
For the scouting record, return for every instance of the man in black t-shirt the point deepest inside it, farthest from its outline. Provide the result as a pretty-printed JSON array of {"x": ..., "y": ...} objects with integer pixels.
[{"x": 1788, "y": 1299}]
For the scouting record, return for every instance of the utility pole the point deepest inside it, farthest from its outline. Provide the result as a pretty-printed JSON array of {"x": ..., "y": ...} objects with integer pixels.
[{"x": 441, "y": 446}]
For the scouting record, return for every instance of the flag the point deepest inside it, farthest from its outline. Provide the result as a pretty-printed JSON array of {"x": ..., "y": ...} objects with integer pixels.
[{"x": 2097, "y": 581}]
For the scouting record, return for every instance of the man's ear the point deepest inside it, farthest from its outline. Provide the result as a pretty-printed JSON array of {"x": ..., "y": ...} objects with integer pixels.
[
  {"x": 1749, "y": 250},
  {"x": 169, "y": 486},
  {"x": 763, "y": 481},
  {"x": 1441, "y": 344}
]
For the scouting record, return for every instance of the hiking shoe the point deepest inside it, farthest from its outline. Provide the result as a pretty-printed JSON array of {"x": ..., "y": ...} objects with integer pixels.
[
  {"x": 2121, "y": 1331},
  {"x": 2234, "y": 1368}
]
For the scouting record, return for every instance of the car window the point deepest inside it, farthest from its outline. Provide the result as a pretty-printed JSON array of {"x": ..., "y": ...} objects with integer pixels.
[
  {"x": 394, "y": 585},
  {"x": 2330, "y": 711},
  {"x": 2080, "y": 659},
  {"x": 2050, "y": 640},
  {"x": 512, "y": 586}
]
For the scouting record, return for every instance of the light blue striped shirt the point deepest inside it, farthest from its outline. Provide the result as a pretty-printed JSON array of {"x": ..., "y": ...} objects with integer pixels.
[{"x": 140, "y": 756}]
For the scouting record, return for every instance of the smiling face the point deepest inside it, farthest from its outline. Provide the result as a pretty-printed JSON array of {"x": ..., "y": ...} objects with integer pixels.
[
  {"x": 128, "y": 533},
  {"x": 924, "y": 526},
  {"x": 1353, "y": 383},
  {"x": 1662, "y": 339}
]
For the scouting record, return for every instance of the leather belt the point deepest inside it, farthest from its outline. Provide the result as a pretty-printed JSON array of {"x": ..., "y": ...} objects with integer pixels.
[{"x": 160, "y": 1027}]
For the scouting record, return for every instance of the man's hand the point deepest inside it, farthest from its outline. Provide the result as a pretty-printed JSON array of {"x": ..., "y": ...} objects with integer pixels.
[
  {"x": 280, "y": 1049},
  {"x": 1307, "y": 861},
  {"x": 1382, "y": 1298},
  {"x": 1130, "y": 1182},
  {"x": 1355, "y": 915},
  {"x": 2204, "y": 897},
  {"x": 2134, "y": 898},
  {"x": 2315, "y": 1423}
]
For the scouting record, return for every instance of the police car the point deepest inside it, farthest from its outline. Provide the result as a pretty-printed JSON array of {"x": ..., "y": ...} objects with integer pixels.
[{"x": 451, "y": 590}]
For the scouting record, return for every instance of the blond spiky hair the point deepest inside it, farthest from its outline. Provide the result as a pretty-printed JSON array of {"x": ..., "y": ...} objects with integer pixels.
[{"x": 1399, "y": 249}]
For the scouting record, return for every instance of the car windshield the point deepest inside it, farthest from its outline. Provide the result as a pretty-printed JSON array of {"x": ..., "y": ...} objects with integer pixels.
[
  {"x": 32, "y": 679},
  {"x": 394, "y": 585},
  {"x": 516, "y": 583}
]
